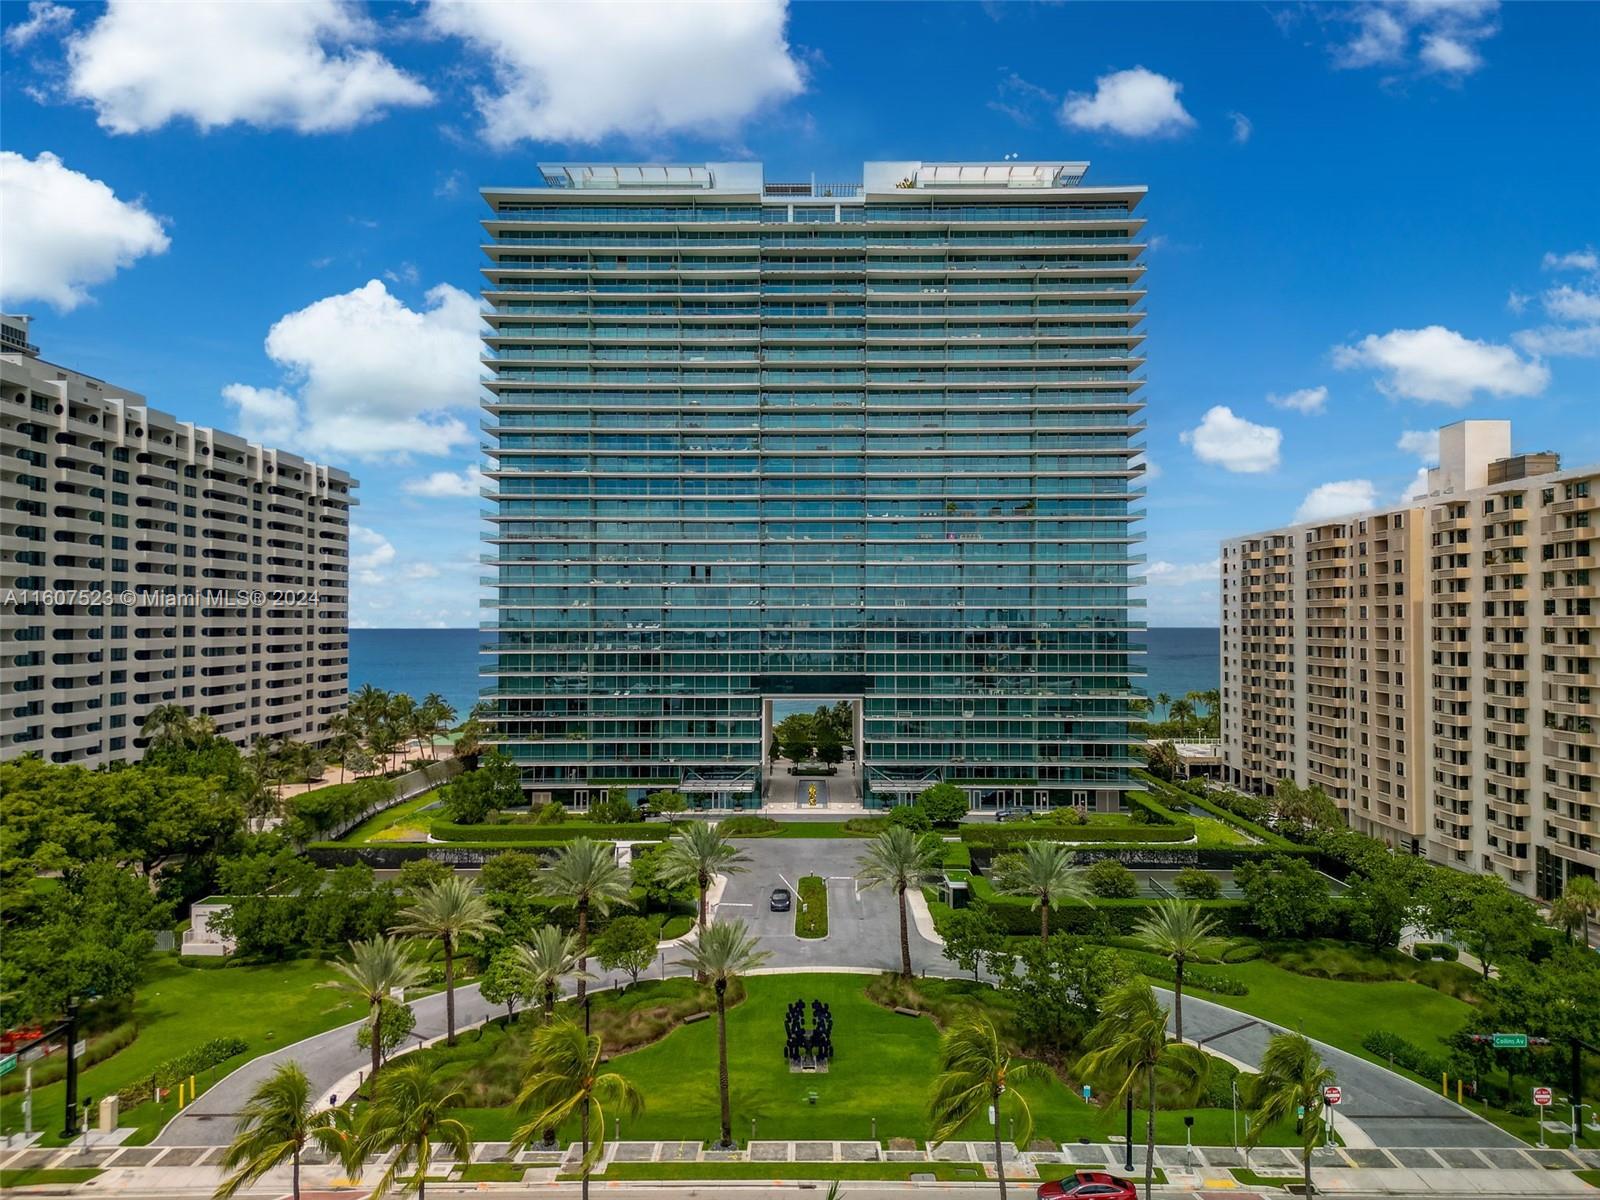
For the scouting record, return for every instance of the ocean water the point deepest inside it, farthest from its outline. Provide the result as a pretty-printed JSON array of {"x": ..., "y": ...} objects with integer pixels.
[{"x": 446, "y": 661}]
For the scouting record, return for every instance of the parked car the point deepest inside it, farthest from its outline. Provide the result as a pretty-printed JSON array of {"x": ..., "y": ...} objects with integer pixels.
[
  {"x": 780, "y": 900},
  {"x": 1097, "y": 1184},
  {"x": 1010, "y": 814}
]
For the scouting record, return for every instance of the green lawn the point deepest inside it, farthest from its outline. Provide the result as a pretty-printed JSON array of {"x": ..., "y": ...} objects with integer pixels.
[
  {"x": 947, "y": 1172},
  {"x": 814, "y": 829},
  {"x": 883, "y": 1068},
  {"x": 37, "y": 1176},
  {"x": 811, "y": 908},
  {"x": 177, "y": 1008},
  {"x": 403, "y": 822}
]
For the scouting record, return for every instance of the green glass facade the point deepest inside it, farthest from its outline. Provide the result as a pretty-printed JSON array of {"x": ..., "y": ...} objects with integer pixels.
[{"x": 752, "y": 440}]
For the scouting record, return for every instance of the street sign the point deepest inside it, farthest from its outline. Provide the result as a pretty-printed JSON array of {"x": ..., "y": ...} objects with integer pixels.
[
  {"x": 8, "y": 1064},
  {"x": 1542, "y": 1097},
  {"x": 1331, "y": 1095},
  {"x": 1087, "y": 1092},
  {"x": 1510, "y": 1041},
  {"x": 80, "y": 1048},
  {"x": 33, "y": 1052}
]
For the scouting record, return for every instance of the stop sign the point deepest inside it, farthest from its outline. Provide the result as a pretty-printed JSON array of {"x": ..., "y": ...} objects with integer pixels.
[
  {"x": 1542, "y": 1097},
  {"x": 1331, "y": 1095}
]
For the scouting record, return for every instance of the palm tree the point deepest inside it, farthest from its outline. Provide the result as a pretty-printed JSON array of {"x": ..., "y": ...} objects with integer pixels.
[
  {"x": 1580, "y": 899},
  {"x": 585, "y": 875},
  {"x": 563, "y": 1077},
  {"x": 274, "y": 1126},
  {"x": 975, "y": 1074},
  {"x": 697, "y": 855},
  {"x": 900, "y": 859},
  {"x": 399, "y": 719},
  {"x": 1182, "y": 712},
  {"x": 1165, "y": 703},
  {"x": 1044, "y": 871},
  {"x": 1128, "y": 1053},
  {"x": 544, "y": 960},
  {"x": 1180, "y": 930},
  {"x": 723, "y": 951},
  {"x": 343, "y": 740},
  {"x": 377, "y": 967},
  {"x": 408, "y": 1115},
  {"x": 435, "y": 717},
  {"x": 452, "y": 910},
  {"x": 1291, "y": 1079},
  {"x": 167, "y": 725}
]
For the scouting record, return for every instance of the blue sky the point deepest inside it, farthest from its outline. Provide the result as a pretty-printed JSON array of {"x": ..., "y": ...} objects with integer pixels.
[{"x": 1366, "y": 220}]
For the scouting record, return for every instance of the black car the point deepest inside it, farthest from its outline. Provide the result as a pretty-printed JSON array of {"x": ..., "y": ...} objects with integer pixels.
[
  {"x": 781, "y": 900},
  {"x": 1010, "y": 814}
]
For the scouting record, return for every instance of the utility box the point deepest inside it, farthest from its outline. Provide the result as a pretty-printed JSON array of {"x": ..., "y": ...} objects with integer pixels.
[{"x": 108, "y": 1115}]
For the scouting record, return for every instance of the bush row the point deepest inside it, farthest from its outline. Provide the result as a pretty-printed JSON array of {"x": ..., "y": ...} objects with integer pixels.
[
  {"x": 1145, "y": 805},
  {"x": 449, "y": 831},
  {"x": 1220, "y": 811},
  {"x": 1007, "y": 836},
  {"x": 175, "y": 1070},
  {"x": 1401, "y": 1053},
  {"x": 1162, "y": 970},
  {"x": 101, "y": 1047},
  {"x": 1016, "y": 915},
  {"x": 1424, "y": 951}
]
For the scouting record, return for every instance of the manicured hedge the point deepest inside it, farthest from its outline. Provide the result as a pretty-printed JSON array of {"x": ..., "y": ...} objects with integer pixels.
[
  {"x": 1163, "y": 788},
  {"x": 1016, "y": 915},
  {"x": 1006, "y": 836},
  {"x": 641, "y": 831},
  {"x": 957, "y": 855},
  {"x": 1157, "y": 812}
]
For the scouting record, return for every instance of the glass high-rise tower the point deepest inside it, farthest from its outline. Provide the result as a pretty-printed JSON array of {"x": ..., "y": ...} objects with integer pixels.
[{"x": 871, "y": 441}]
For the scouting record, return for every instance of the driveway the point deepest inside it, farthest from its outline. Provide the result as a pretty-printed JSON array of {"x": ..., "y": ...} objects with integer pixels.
[{"x": 863, "y": 934}]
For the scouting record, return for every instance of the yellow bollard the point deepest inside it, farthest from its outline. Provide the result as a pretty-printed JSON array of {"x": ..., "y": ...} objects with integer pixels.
[
  {"x": 1458, "y": 1089},
  {"x": 193, "y": 1091},
  {"x": 180, "y": 1093},
  {"x": 1444, "y": 1084}
]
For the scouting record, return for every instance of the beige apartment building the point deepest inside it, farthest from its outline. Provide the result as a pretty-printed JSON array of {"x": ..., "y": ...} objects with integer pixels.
[
  {"x": 146, "y": 560},
  {"x": 1432, "y": 665}
]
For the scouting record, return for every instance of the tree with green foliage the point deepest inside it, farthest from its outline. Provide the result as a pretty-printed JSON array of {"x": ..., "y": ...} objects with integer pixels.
[
  {"x": 911, "y": 816},
  {"x": 473, "y": 796},
  {"x": 1161, "y": 760},
  {"x": 409, "y": 1113},
  {"x": 511, "y": 882},
  {"x": 1044, "y": 872},
  {"x": 1494, "y": 923},
  {"x": 397, "y": 1024},
  {"x": 1304, "y": 810},
  {"x": 828, "y": 745},
  {"x": 1182, "y": 711},
  {"x": 90, "y": 935},
  {"x": 505, "y": 982},
  {"x": 976, "y": 1075},
  {"x": 945, "y": 804},
  {"x": 1127, "y": 1054},
  {"x": 376, "y": 968},
  {"x": 627, "y": 944},
  {"x": 1110, "y": 880},
  {"x": 796, "y": 735},
  {"x": 584, "y": 876},
  {"x": 899, "y": 859},
  {"x": 1578, "y": 903},
  {"x": 1289, "y": 1084},
  {"x": 418, "y": 874},
  {"x": 666, "y": 802},
  {"x": 696, "y": 855},
  {"x": 274, "y": 1127},
  {"x": 264, "y": 918},
  {"x": 719, "y": 954},
  {"x": 1197, "y": 884},
  {"x": 563, "y": 1078},
  {"x": 435, "y": 716},
  {"x": 452, "y": 911},
  {"x": 1284, "y": 895},
  {"x": 1181, "y": 931},
  {"x": 343, "y": 905},
  {"x": 972, "y": 940},
  {"x": 544, "y": 960},
  {"x": 1056, "y": 988},
  {"x": 1383, "y": 896}
]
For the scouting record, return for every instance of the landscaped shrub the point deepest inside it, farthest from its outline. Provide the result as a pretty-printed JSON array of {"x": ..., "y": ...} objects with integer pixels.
[
  {"x": 1000, "y": 836},
  {"x": 1014, "y": 915},
  {"x": 1110, "y": 880},
  {"x": 101, "y": 1047},
  {"x": 1396, "y": 1050},
  {"x": 1241, "y": 950},
  {"x": 1142, "y": 806},
  {"x": 1219, "y": 1083},
  {"x": 957, "y": 855},
  {"x": 913, "y": 816},
  {"x": 1426, "y": 950},
  {"x": 448, "y": 831},
  {"x": 169, "y": 1073},
  {"x": 866, "y": 825},
  {"x": 1155, "y": 967},
  {"x": 811, "y": 920},
  {"x": 1197, "y": 884},
  {"x": 748, "y": 826}
]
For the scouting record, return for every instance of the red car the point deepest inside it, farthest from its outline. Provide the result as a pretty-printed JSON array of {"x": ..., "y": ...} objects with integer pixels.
[{"x": 1096, "y": 1184}]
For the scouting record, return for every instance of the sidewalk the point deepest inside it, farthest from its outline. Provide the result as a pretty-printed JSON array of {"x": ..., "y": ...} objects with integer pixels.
[{"x": 173, "y": 1170}]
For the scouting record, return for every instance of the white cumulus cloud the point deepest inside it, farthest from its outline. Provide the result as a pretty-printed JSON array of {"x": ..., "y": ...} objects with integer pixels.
[
  {"x": 370, "y": 377},
  {"x": 581, "y": 71},
  {"x": 1574, "y": 312},
  {"x": 443, "y": 484},
  {"x": 1437, "y": 37},
  {"x": 369, "y": 550},
  {"x": 1566, "y": 303},
  {"x": 1169, "y": 574},
  {"x": 64, "y": 232},
  {"x": 1417, "y": 488},
  {"x": 44, "y": 18},
  {"x": 1424, "y": 443},
  {"x": 1233, "y": 443},
  {"x": 1242, "y": 127},
  {"x": 303, "y": 64},
  {"x": 1439, "y": 366},
  {"x": 1305, "y": 400},
  {"x": 1135, "y": 102},
  {"x": 266, "y": 415},
  {"x": 1573, "y": 260},
  {"x": 1337, "y": 499}
]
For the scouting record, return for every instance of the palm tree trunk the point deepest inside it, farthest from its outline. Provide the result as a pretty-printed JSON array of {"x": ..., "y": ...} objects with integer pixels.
[
  {"x": 705, "y": 887},
  {"x": 1150, "y": 1138},
  {"x": 1307, "y": 1161},
  {"x": 449, "y": 991},
  {"x": 1044, "y": 919},
  {"x": 999, "y": 1159},
  {"x": 1177, "y": 997},
  {"x": 377, "y": 1040},
  {"x": 583, "y": 949},
  {"x": 905, "y": 938},
  {"x": 294, "y": 1185},
  {"x": 549, "y": 1001},
  {"x": 584, "y": 1133},
  {"x": 722, "y": 1061}
]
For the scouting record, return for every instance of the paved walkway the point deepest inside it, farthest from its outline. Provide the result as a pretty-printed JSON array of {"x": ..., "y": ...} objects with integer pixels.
[{"x": 1381, "y": 1109}]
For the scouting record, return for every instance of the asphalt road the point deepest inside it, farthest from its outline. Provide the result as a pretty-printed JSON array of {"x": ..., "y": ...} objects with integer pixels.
[{"x": 863, "y": 934}]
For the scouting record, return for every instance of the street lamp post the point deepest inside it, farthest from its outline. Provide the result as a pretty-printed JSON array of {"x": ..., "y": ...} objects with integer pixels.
[
  {"x": 1233, "y": 1087},
  {"x": 1128, "y": 1142}
]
